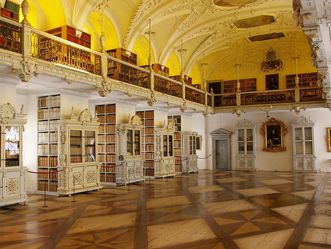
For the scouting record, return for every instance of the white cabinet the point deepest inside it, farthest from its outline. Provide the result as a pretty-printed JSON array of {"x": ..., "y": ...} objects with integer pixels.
[
  {"x": 12, "y": 172},
  {"x": 130, "y": 164},
  {"x": 246, "y": 145},
  {"x": 164, "y": 151},
  {"x": 189, "y": 156},
  {"x": 79, "y": 170},
  {"x": 303, "y": 145}
]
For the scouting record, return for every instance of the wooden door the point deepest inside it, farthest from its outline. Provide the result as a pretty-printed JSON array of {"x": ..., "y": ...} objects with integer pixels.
[{"x": 222, "y": 154}]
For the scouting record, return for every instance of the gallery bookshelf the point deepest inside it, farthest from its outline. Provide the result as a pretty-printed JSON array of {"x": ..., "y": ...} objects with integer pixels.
[
  {"x": 148, "y": 134},
  {"x": 176, "y": 119},
  {"x": 246, "y": 85},
  {"x": 119, "y": 71},
  {"x": 48, "y": 123},
  {"x": 71, "y": 34},
  {"x": 305, "y": 80},
  {"x": 10, "y": 11},
  {"x": 106, "y": 114}
]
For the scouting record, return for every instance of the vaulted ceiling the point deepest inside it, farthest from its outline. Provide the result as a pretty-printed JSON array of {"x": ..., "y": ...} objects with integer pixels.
[{"x": 216, "y": 32}]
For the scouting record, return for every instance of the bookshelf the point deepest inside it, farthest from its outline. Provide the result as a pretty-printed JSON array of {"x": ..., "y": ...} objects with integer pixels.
[
  {"x": 246, "y": 85},
  {"x": 119, "y": 71},
  {"x": 71, "y": 34},
  {"x": 176, "y": 119},
  {"x": 305, "y": 80},
  {"x": 106, "y": 115},
  {"x": 12, "y": 172},
  {"x": 131, "y": 163},
  {"x": 148, "y": 136},
  {"x": 10, "y": 11},
  {"x": 48, "y": 124},
  {"x": 10, "y": 37}
]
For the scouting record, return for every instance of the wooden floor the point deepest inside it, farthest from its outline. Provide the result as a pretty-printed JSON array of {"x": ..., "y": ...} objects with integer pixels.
[{"x": 215, "y": 210}]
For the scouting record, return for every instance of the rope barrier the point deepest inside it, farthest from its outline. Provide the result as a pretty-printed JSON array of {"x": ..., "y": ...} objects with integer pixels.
[{"x": 204, "y": 157}]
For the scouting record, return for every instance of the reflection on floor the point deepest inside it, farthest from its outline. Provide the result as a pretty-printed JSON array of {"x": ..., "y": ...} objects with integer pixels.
[{"x": 239, "y": 210}]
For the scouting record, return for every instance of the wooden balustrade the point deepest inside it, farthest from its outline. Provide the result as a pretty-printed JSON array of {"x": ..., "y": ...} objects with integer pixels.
[
  {"x": 167, "y": 86},
  {"x": 50, "y": 48},
  {"x": 268, "y": 97},
  {"x": 311, "y": 94},
  {"x": 195, "y": 95},
  {"x": 10, "y": 35}
]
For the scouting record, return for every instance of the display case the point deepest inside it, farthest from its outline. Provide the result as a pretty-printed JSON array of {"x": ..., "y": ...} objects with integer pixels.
[
  {"x": 130, "y": 162},
  {"x": 189, "y": 156},
  {"x": 303, "y": 145},
  {"x": 246, "y": 147},
  {"x": 164, "y": 151},
  {"x": 12, "y": 172},
  {"x": 78, "y": 169}
]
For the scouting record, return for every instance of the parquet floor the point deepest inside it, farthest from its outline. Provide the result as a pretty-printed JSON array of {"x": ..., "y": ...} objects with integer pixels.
[{"x": 211, "y": 210}]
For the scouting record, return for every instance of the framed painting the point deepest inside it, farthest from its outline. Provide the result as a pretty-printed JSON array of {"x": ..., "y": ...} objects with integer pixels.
[
  {"x": 273, "y": 132},
  {"x": 328, "y": 138}
]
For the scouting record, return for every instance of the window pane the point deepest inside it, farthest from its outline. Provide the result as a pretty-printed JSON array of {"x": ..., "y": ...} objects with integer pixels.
[
  {"x": 309, "y": 148},
  {"x": 298, "y": 134},
  {"x": 249, "y": 147},
  {"x": 241, "y": 147},
  {"x": 308, "y": 133},
  {"x": 249, "y": 134},
  {"x": 299, "y": 148},
  {"x": 241, "y": 135}
]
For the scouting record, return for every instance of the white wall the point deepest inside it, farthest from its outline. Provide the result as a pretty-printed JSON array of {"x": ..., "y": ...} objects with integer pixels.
[
  {"x": 198, "y": 124},
  {"x": 279, "y": 161},
  {"x": 8, "y": 94},
  {"x": 30, "y": 138},
  {"x": 124, "y": 112},
  {"x": 160, "y": 118},
  {"x": 69, "y": 101}
]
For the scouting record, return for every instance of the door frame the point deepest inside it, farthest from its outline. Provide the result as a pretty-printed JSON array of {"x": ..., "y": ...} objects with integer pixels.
[{"x": 221, "y": 135}]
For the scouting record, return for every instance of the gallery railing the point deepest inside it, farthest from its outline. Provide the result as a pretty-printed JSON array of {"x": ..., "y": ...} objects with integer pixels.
[
  {"x": 195, "y": 95},
  {"x": 168, "y": 86},
  {"x": 226, "y": 99},
  {"x": 311, "y": 94},
  {"x": 10, "y": 35},
  {"x": 59, "y": 51},
  {"x": 268, "y": 97}
]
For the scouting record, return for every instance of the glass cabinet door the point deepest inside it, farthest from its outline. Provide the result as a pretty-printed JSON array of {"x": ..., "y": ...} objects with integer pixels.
[
  {"x": 12, "y": 146},
  {"x": 129, "y": 143},
  {"x": 90, "y": 146},
  {"x": 303, "y": 140},
  {"x": 170, "y": 139},
  {"x": 76, "y": 146},
  {"x": 246, "y": 141},
  {"x": 165, "y": 145},
  {"x": 136, "y": 142}
]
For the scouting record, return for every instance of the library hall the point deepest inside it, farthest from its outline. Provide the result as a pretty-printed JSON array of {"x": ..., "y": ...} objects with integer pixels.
[{"x": 165, "y": 124}]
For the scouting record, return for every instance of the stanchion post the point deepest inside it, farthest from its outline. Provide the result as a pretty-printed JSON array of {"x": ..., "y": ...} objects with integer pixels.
[
  {"x": 74, "y": 187},
  {"x": 45, "y": 197}
]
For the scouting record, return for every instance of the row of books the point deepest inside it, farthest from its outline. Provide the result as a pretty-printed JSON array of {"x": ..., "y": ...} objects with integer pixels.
[
  {"x": 51, "y": 125},
  {"x": 109, "y": 148},
  {"x": 44, "y": 174},
  {"x": 108, "y": 168},
  {"x": 44, "y": 161},
  {"x": 109, "y": 158},
  {"x": 53, "y": 113},
  {"x": 106, "y": 138},
  {"x": 75, "y": 150},
  {"x": 107, "y": 118},
  {"x": 75, "y": 158},
  {"x": 49, "y": 101},
  {"x": 47, "y": 137},
  {"x": 102, "y": 109},
  {"x": 44, "y": 185},
  {"x": 45, "y": 149}
]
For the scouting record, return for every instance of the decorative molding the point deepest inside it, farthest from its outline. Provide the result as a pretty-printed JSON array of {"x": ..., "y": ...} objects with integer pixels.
[
  {"x": 303, "y": 121},
  {"x": 85, "y": 117},
  {"x": 29, "y": 69},
  {"x": 12, "y": 186},
  {"x": 7, "y": 111},
  {"x": 104, "y": 88},
  {"x": 135, "y": 120}
]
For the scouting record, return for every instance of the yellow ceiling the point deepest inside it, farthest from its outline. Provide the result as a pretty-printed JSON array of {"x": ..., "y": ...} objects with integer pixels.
[{"x": 211, "y": 31}]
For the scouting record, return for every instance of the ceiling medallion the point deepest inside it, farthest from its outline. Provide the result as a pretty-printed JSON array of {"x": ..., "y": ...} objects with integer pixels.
[{"x": 271, "y": 63}]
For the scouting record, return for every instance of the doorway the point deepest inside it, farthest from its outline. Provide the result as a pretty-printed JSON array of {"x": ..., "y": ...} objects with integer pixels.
[
  {"x": 222, "y": 154},
  {"x": 221, "y": 149}
]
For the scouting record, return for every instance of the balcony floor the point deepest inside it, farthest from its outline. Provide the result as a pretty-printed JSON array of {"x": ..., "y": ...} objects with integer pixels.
[{"x": 209, "y": 210}]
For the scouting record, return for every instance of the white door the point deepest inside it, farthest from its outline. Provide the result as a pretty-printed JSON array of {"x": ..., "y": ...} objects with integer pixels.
[{"x": 222, "y": 154}]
